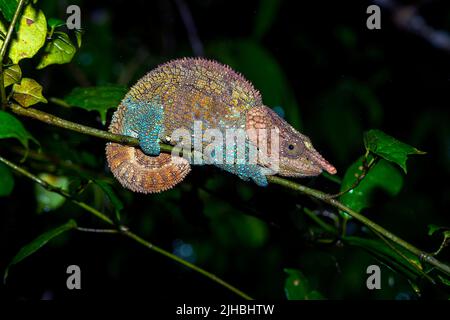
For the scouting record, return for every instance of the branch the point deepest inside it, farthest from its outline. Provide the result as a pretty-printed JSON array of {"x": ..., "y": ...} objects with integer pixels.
[
  {"x": 186, "y": 16},
  {"x": 4, "y": 48},
  {"x": 423, "y": 256},
  {"x": 121, "y": 229},
  {"x": 325, "y": 197},
  {"x": 407, "y": 18}
]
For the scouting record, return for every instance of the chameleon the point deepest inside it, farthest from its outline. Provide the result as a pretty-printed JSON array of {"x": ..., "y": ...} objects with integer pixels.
[{"x": 182, "y": 91}]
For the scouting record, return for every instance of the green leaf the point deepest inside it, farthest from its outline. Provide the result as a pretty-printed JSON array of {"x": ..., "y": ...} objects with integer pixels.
[
  {"x": 115, "y": 201},
  {"x": 38, "y": 243},
  {"x": 31, "y": 35},
  {"x": 382, "y": 175},
  {"x": 432, "y": 229},
  {"x": 8, "y": 7},
  {"x": 100, "y": 99},
  {"x": 59, "y": 50},
  {"x": 11, "y": 127},
  {"x": 6, "y": 181},
  {"x": 297, "y": 287},
  {"x": 28, "y": 92},
  {"x": 47, "y": 200},
  {"x": 444, "y": 280},
  {"x": 12, "y": 74},
  {"x": 388, "y": 147},
  {"x": 55, "y": 23}
]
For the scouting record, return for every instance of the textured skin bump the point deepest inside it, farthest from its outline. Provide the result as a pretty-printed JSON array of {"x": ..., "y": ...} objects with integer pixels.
[
  {"x": 141, "y": 173},
  {"x": 300, "y": 161}
]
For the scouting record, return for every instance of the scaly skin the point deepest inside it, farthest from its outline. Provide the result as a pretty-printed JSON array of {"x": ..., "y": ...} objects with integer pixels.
[{"x": 180, "y": 92}]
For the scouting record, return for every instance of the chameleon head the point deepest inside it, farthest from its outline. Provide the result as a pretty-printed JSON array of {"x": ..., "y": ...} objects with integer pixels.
[{"x": 297, "y": 156}]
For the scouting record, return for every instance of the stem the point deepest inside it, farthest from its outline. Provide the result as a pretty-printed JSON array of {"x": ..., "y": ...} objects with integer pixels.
[
  {"x": 122, "y": 229},
  {"x": 62, "y": 123},
  {"x": 58, "y": 122},
  {"x": 364, "y": 172},
  {"x": 187, "y": 264},
  {"x": 4, "y": 101},
  {"x": 319, "y": 221},
  {"x": 423, "y": 256},
  {"x": 97, "y": 230},
  {"x": 403, "y": 256},
  {"x": 325, "y": 197},
  {"x": 59, "y": 102},
  {"x": 5, "y": 47}
]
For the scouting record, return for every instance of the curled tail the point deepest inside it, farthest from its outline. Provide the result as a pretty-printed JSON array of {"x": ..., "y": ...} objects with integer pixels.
[{"x": 139, "y": 172}]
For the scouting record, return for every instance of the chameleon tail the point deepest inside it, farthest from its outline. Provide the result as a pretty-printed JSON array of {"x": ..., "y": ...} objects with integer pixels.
[{"x": 139, "y": 172}]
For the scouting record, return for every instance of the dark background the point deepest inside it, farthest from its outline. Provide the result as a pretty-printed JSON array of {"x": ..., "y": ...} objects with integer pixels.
[{"x": 315, "y": 61}]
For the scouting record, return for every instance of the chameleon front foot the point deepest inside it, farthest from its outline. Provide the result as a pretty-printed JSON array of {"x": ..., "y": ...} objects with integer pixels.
[{"x": 145, "y": 119}]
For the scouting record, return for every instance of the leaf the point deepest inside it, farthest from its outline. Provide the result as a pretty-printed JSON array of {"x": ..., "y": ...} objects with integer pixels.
[
  {"x": 12, "y": 74},
  {"x": 11, "y": 127},
  {"x": 382, "y": 176},
  {"x": 59, "y": 50},
  {"x": 8, "y": 7},
  {"x": 47, "y": 200},
  {"x": 388, "y": 147},
  {"x": 444, "y": 280},
  {"x": 28, "y": 92},
  {"x": 432, "y": 229},
  {"x": 31, "y": 35},
  {"x": 297, "y": 287},
  {"x": 55, "y": 23},
  {"x": 115, "y": 201},
  {"x": 100, "y": 99},
  {"x": 38, "y": 243},
  {"x": 6, "y": 181}
]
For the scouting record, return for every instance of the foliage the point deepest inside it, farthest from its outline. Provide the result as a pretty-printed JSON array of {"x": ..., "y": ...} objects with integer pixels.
[
  {"x": 212, "y": 220},
  {"x": 11, "y": 127},
  {"x": 100, "y": 99}
]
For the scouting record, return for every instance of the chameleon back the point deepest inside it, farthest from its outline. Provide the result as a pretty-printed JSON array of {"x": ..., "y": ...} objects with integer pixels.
[{"x": 180, "y": 92}]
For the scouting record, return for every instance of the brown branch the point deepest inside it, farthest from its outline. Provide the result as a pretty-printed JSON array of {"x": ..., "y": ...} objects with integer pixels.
[
  {"x": 317, "y": 194},
  {"x": 407, "y": 18}
]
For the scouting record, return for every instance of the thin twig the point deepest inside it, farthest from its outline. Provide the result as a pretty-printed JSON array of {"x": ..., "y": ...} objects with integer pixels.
[
  {"x": 327, "y": 227},
  {"x": 45, "y": 117},
  {"x": 186, "y": 16},
  {"x": 407, "y": 18},
  {"x": 403, "y": 256},
  {"x": 122, "y": 229},
  {"x": 96, "y": 230},
  {"x": 364, "y": 171},
  {"x": 367, "y": 222}
]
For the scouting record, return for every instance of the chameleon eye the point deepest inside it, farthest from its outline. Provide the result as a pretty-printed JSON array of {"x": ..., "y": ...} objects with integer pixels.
[{"x": 292, "y": 150}]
